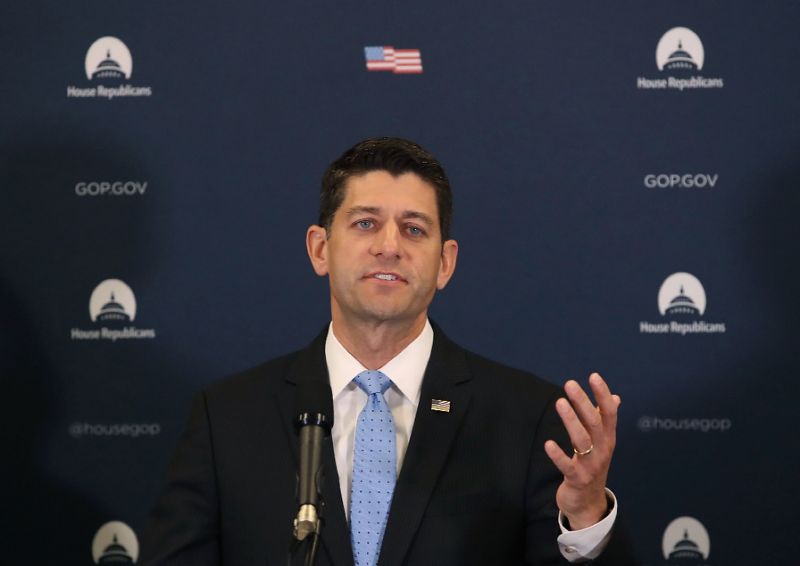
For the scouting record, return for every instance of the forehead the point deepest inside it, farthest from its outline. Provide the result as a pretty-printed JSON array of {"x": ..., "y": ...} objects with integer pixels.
[{"x": 381, "y": 189}]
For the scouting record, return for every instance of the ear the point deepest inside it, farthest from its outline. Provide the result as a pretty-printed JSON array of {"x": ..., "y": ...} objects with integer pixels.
[
  {"x": 448, "y": 263},
  {"x": 317, "y": 248}
]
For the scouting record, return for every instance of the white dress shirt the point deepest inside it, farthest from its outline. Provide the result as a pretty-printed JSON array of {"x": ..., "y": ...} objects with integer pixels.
[{"x": 406, "y": 371}]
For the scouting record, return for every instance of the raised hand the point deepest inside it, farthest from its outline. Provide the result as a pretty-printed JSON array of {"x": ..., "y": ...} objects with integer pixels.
[{"x": 593, "y": 433}]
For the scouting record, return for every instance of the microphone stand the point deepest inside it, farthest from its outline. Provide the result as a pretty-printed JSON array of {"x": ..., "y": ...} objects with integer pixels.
[
  {"x": 306, "y": 534},
  {"x": 307, "y": 525}
]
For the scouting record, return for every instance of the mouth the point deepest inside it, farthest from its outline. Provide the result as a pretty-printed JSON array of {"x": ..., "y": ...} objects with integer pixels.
[{"x": 387, "y": 276}]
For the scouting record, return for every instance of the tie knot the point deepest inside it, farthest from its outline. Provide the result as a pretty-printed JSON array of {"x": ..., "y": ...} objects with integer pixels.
[{"x": 372, "y": 382}]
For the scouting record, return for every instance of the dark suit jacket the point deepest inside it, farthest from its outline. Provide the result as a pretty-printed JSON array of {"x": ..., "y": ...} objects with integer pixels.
[{"x": 476, "y": 486}]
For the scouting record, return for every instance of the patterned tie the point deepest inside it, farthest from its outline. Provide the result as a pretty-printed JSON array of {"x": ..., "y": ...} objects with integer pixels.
[{"x": 374, "y": 470}]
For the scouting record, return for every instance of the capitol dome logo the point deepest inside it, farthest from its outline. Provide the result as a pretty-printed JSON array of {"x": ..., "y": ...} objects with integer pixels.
[
  {"x": 686, "y": 542},
  {"x": 680, "y": 56},
  {"x": 108, "y": 65},
  {"x": 115, "y": 543},
  {"x": 108, "y": 58},
  {"x": 682, "y": 293},
  {"x": 680, "y": 48},
  {"x": 112, "y": 306},
  {"x": 112, "y": 300},
  {"x": 682, "y": 300}
]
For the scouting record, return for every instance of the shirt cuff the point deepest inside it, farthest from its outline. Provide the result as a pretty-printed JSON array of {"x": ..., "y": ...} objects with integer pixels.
[{"x": 587, "y": 544}]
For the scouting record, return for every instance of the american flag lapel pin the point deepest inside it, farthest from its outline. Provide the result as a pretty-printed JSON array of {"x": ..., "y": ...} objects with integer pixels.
[{"x": 440, "y": 405}]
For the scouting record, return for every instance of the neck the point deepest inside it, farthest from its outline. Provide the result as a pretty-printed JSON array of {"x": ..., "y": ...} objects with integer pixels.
[{"x": 374, "y": 343}]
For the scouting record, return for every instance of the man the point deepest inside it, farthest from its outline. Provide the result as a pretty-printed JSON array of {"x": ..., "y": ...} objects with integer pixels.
[{"x": 437, "y": 456}]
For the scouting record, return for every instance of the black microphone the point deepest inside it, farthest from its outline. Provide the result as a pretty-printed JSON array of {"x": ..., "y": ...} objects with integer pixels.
[{"x": 314, "y": 421}]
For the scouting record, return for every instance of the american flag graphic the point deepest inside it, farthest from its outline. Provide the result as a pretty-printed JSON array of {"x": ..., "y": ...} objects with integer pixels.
[{"x": 387, "y": 58}]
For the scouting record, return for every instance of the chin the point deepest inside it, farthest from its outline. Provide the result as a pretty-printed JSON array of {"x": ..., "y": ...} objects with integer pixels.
[{"x": 386, "y": 313}]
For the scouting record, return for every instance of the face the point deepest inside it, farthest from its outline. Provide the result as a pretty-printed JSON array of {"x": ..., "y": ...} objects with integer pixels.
[{"x": 384, "y": 255}]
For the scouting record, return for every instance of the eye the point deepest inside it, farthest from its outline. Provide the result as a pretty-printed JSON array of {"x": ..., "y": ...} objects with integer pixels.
[
  {"x": 415, "y": 230},
  {"x": 364, "y": 224}
]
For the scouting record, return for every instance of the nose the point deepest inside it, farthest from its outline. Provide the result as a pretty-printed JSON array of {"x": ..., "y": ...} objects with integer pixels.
[{"x": 387, "y": 242}]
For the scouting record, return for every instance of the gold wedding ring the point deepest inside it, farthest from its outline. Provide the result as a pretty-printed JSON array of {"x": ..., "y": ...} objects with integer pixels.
[{"x": 583, "y": 452}]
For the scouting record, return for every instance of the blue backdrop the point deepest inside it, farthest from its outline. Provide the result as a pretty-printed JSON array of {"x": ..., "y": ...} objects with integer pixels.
[{"x": 625, "y": 176}]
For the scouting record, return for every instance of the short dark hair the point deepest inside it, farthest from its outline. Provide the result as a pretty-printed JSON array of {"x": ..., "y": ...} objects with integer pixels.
[{"x": 395, "y": 156}]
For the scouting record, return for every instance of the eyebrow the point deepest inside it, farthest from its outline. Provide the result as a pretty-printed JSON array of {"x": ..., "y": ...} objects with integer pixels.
[
  {"x": 363, "y": 210},
  {"x": 406, "y": 214}
]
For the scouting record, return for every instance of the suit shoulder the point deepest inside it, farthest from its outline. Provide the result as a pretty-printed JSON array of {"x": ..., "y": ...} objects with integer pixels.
[
  {"x": 500, "y": 377},
  {"x": 251, "y": 383}
]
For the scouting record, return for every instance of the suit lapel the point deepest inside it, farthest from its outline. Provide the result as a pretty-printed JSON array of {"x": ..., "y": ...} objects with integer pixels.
[
  {"x": 309, "y": 367},
  {"x": 432, "y": 436}
]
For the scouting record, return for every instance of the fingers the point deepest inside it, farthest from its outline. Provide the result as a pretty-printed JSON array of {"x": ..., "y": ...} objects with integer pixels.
[
  {"x": 607, "y": 403},
  {"x": 559, "y": 458},
  {"x": 586, "y": 424},
  {"x": 584, "y": 407},
  {"x": 578, "y": 435}
]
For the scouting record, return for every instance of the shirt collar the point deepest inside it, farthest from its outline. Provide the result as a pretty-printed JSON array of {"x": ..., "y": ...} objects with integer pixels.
[{"x": 406, "y": 369}]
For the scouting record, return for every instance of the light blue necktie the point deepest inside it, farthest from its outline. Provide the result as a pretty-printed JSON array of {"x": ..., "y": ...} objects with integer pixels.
[{"x": 374, "y": 470}]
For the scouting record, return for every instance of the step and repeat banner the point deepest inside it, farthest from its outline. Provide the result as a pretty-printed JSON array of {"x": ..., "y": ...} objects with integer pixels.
[{"x": 626, "y": 181}]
